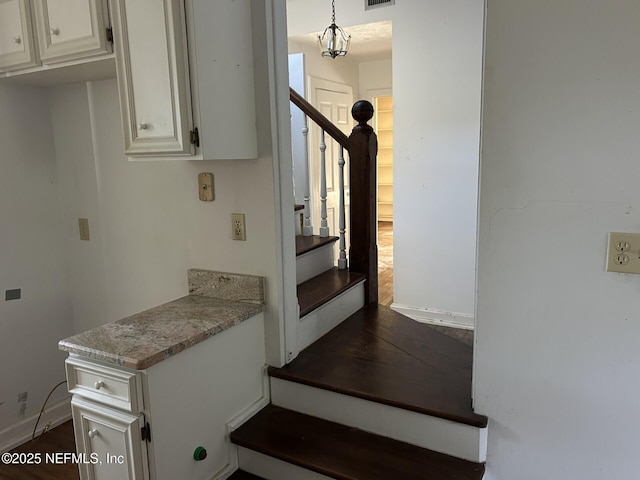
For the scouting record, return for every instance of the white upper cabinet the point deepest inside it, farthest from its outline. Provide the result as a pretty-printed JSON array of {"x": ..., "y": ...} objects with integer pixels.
[
  {"x": 185, "y": 77},
  {"x": 71, "y": 29},
  {"x": 153, "y": 77},
  {"x": 221, "y": 56},
  {"x": 17, "y": 48}
]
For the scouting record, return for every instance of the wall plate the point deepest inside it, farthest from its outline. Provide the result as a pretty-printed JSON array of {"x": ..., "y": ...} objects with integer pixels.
[
  {"x": 623, "y": 252},
  {"x": 205, "y": 187}
]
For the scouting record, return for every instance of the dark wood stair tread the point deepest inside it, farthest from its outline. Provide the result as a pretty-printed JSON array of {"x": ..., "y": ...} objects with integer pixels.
[
  {"x": 311, "y": 242},
  {"x": 345, "y": 453},
  {"x": 320, "y": 289},
  {"x": 240, "y": 475},
  {"x": 381, "y": 355},
  {"x": 297, "y": 207}
]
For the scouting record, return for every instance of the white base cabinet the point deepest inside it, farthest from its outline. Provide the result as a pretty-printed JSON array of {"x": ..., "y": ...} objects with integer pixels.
[
  {"x": 111, "y": 441},
  {"x": 147, "y": 424}
]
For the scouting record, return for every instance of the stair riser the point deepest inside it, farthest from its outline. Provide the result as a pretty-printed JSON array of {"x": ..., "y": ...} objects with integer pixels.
[
  {"x": 272, "y": 468},
  {"x": 444, "y": 436},
  {"x": 313, "y": 263},
  {"x": 322, "y": 319}
]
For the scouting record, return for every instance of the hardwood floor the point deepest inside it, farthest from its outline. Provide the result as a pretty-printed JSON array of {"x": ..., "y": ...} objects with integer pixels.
[
  {"x": 385, "y": 263},
  {"x": 380, "y": 355},
  {"x": 59, "y": 439},
  {"x": 345, "y": 453}
]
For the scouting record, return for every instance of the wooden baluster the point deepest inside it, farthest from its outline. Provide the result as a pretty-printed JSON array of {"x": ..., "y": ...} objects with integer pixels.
[
  {"x": 307, "y": 227},
  {"x": 324, "y": 228},
  {"x": 342, "y": 259},
  {"x": 363, "y": 149}
]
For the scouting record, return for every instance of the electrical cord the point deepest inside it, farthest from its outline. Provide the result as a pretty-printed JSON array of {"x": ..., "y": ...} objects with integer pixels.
[{"x": 46, "y": 428}]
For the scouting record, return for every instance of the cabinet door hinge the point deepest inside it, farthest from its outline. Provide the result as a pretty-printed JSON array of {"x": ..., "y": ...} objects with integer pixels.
[
  {"x": 110, "y": 35},
  {"x": 194, "y": 137},
  {"x": 146, "y": 432}
]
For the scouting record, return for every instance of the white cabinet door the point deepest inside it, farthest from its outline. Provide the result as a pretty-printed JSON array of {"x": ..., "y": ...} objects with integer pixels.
[
  {"x": 17, "y": 47},
  {"x": 111, "y": 442},
  {"x": 71, "y": 29},
  {"x": 153, "y": 77}
]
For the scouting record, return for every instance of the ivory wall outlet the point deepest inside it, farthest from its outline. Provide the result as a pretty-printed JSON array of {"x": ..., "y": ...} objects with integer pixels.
[
  {"x": 623, "y": 252},
  {"x": 238, "y": 227}
]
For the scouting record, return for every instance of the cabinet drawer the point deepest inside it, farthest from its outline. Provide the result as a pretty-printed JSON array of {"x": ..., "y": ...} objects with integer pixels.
[{"x": 110, "y": 386}]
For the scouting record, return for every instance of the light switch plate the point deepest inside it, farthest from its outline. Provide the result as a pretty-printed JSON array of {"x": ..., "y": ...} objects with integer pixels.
[
  {"x": 623, "y": 252},
  {"x": 205, "y": 187},
  {"x": 83, "y": 226}
]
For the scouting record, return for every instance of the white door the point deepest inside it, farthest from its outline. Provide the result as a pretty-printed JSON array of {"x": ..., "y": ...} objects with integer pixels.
[{"x": 334, "y": 101}]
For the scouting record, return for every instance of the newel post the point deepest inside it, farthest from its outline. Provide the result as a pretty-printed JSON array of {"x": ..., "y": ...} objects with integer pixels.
[{"x": 363, "y": 151}]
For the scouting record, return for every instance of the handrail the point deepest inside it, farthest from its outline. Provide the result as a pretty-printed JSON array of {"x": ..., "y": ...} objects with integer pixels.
[{"x": 319, "y": 118}]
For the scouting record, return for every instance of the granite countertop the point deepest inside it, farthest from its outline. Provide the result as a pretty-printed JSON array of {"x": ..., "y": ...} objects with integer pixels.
[{"x": 148, "y": 337}]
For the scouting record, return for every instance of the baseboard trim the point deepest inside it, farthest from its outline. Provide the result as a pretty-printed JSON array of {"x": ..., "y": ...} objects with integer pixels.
[
  {"x": 237, "y": 421},
  {"x": 436, "y": 317},
  {"x": 19, "y": 433}
]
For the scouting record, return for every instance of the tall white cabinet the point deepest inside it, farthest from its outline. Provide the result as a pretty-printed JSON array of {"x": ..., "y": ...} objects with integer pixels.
[
  {"x": 384, "y": 130},
  {"x": 185, "y": 77}
]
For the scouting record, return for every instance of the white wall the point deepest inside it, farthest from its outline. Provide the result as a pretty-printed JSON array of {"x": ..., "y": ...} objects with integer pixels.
[
  {"x": 147, "y": 224},
  {"x": 437, "y": 59},
  {"x": 374, "y": 75},
  {"x": 557, "y": 337},
  {"x": 31, "y": 258}
]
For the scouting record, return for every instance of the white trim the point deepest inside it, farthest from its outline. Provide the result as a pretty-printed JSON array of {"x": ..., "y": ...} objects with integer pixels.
[
  {"x": 436, "y": 317},
  {"x": 276, "y": 45},
  {"x": 21, "y": 432},
  {"x": 326, "y": 317},
  {"x": 237, "y": 421},
  {"x": 313, "y": 263},
  {"x": 272, "y": 468},
  {"x": 445, "y": 436}
]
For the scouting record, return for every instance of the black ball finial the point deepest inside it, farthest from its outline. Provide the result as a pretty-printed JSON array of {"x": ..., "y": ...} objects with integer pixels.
[{"x": 362, "y": 111}]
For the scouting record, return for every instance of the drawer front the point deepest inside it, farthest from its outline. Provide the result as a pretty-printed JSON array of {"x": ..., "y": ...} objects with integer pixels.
[{"x": 110, "y": 386}]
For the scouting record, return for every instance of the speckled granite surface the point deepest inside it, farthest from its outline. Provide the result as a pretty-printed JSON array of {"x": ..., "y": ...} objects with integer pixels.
[
  {"x": 226, "y": 286},
  {"x": 146, "y": 338}
]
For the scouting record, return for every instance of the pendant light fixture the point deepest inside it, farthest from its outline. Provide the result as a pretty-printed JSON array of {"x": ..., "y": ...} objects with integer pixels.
[{"x": 334, "y": 42}]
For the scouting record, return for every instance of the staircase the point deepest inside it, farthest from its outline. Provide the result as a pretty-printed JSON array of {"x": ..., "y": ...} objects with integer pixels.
[
  {"x": 379, "y": 396},
  {"x": 373, "y": 395}
]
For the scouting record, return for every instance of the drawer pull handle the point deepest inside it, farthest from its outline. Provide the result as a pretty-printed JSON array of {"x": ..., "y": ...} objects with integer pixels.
[
  {"x": 54, "y": 31},
  {"x": 99, "y": 385},
  {"x": 92, "y": 433},
  {"x": 17, "y": 40},
  {"x": 143, "y": 126}
]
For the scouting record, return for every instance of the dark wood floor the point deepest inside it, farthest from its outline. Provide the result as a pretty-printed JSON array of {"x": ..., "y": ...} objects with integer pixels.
[
  {"x": 59, "y": 439},
  {"x": 345, "y": 453},
  {"x": 380, "y": 355}
]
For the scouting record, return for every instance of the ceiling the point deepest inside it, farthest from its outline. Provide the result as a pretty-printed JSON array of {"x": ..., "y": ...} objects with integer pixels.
[{"x": 371, "y": 41}]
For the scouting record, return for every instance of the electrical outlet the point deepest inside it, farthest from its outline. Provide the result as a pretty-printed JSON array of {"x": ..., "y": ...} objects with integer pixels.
[
  {"x": 83, "y": 226},
  {"x": 623, "y": 252},
  {"x": 238, "y": 231}
]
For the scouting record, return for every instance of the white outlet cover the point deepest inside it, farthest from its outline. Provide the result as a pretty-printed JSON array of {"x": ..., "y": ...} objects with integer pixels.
[{"x": 623, "y": 252}]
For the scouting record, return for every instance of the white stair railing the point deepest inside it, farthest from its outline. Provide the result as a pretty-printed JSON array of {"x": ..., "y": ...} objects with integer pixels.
[
  {"x": 342, "y": 258},
  {"x": 307, "y": 227},
  {"x": 324, "y": 227}
]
